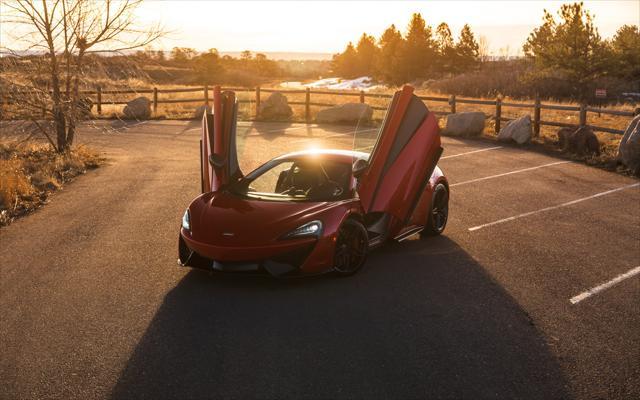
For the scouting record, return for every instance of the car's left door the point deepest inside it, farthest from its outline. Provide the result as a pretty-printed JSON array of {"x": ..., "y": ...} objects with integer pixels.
[{"x": 218, "y": 153}]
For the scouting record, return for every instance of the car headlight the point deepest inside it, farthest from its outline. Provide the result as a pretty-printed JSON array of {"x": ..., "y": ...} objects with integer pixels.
[
  {"x": 313, "y": 228},
  {"x": 186, "y": 221}
]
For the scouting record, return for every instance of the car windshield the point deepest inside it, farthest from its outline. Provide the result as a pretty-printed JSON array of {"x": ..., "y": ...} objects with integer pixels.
[{"x": 296, "y": 179}]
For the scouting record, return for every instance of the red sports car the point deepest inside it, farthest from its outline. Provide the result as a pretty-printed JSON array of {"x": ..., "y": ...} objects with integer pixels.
[{"x": 314, "y": 212}]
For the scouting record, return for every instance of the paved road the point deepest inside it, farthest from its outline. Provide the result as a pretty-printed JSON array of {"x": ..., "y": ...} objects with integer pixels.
[{"x": 92, "y": 304}]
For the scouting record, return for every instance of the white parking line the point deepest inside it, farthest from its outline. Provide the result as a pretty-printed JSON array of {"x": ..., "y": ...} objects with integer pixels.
[
  {"x": 471, "y": 152},
  {"x": 509, "y": 173},
  {"x": 606, "y": 285},
  {"x": 569, "y": 203}
]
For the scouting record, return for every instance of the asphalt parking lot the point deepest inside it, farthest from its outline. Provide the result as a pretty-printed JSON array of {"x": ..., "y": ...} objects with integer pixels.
[{"x": 532, "y": 292}]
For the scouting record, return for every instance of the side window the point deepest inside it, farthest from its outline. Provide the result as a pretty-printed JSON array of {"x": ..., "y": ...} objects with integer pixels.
[{"x": 268, "y": 182}]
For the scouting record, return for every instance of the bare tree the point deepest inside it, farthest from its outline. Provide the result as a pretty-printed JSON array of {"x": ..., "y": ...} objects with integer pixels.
[
  {"x": 483, "y": 48},
  {"x": 63, "y": 33}
]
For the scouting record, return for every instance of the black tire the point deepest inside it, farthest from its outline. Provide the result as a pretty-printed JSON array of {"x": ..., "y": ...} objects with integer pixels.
[
  {"x": 352, "y": 246},
  {"x": 438, "y": 212}
]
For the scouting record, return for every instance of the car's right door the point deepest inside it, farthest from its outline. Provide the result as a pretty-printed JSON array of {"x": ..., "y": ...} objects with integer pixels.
[{"x": 402, "y": 161}]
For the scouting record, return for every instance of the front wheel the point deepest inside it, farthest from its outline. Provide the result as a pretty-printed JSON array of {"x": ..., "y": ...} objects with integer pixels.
[
  {"x": 351, "y": 248},
  {"x": 439, "y": 212}
]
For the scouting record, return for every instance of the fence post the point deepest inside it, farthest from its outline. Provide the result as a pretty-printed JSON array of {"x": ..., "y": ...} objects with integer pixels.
[
  {"x": 583, "y": 115},
  {"x": 155, "y": 100},
  {"x": 452, "y": 103},
  {"x": 498, "y": 113},
  {"x": 206, "y": 95},
  {"x": 307, "y": 105},
  {"x": 362, "y": 96},
  {"x": 257, "y": 100},
  {"x": 536, "y": 117},
  {"x": 99, "y": 99}
]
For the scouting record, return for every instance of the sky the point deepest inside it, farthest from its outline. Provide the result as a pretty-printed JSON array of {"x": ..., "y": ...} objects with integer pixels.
[{"x": 326, "y": 26}]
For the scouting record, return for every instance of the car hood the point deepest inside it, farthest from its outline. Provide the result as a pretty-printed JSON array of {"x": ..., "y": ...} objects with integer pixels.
[{"x": 222, "y": 218}]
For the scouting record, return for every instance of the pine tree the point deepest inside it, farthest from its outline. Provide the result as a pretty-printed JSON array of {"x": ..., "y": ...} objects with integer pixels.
[
  {"x": 367, "y": 53},
  {"x": 446, "y": 48},
  {"x": 626, "y": 53},
  {"x": 389, "y": 65},
  {"x": 345, "y": 64},
  {"x": 419, "y": 50},
  {"x": 571, "y": 49},
  {"x": 467, "y": 50}
]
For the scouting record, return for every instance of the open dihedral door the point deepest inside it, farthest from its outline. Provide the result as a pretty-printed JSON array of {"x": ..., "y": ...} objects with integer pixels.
[
  {"x": 218, "y": 153},
  {"x": 401, "y": 163}
]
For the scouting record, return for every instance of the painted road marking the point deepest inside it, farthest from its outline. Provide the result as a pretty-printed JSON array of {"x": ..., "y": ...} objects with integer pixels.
[
  {"x": 471, "y": 152},
  {"x": 606, "y": 285},
  {"x": 509, "y": 173},
  {"x": 569, "y": 203}
]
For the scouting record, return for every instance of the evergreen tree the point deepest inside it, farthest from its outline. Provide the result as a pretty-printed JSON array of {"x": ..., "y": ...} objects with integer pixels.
[
  {"x": 626, "y": 52},
  {"x": 345, "y": 64},
  {"x": 389, "y": 65},
  {"x": 571, "y": 49},
  {"x": 445, "y": 47},
  {"x": 419, "y": 49},
  {"x": 366, "y": 55},
  {"x": 467, "y": 50}
]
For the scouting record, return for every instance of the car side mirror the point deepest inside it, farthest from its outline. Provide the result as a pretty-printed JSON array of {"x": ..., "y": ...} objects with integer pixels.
[
  {"x": 359, "y": 167},
  {"x": 216, "y": 160}
]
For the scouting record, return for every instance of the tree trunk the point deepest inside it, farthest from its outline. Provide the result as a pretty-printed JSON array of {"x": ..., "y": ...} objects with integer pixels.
[
  {"x": 75, "y": 97},
  {"x": 58, "y": 112}
]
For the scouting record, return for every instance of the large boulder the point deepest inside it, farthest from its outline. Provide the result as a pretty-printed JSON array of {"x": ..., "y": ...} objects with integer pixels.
[
  {"x": 139, "y": 108},
  {"x": 349, "y": 112},
  {"x": 580, "y": 140},
  {"x": 200, "y": 111},
  {"x": 465, "y": 124},
  {"x": 629, "y": 149},
  {"x": 275, "y": 107},
  {"x": 519, "y": 130}
]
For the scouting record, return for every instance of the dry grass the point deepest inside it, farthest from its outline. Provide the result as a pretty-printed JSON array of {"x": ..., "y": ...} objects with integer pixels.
[{"x": 29, "y": 172}]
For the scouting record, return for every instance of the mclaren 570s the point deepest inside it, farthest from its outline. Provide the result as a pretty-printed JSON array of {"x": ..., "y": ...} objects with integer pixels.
[{"x": 313, "y": 212}]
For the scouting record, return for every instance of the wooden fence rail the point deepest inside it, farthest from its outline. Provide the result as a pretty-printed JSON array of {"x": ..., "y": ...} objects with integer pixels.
[{"x": 452, "y": 101}]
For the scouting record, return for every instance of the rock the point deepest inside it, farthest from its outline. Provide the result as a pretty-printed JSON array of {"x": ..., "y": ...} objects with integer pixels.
[
  {"x": 200, "y": 111},
  {"x": 579, "y": 140},
  {"x": 629, "y": 149},
  {"x": 519, "y": 130},
  {"x": 139, "y": 108},
  {"x": 465, "y": 124},
  {"x": 275, "y": 107},
  {"x": 349, "y": 112},
  {"x": 563, "y": 136}
]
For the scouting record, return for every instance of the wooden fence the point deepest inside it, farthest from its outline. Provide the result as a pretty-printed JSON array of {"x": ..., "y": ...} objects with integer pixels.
[{"x": 451, "y": 101}]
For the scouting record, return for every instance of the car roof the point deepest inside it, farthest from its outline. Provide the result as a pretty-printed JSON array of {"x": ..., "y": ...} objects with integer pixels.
[{"x": 338, "y": 155}]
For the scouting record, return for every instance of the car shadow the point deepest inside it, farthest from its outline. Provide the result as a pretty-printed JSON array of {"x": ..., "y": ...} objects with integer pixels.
[
  {"x": 423, "y": 319},
  {"x": 270, "y": 129}
]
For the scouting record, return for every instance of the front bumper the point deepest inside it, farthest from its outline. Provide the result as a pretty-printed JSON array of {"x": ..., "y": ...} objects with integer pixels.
[{"x": 281, "y": 260}]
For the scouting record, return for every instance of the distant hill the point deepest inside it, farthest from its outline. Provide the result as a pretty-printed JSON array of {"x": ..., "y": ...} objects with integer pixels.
[{"x": 283, "y": 55}]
